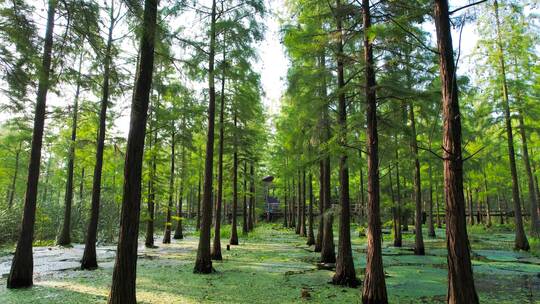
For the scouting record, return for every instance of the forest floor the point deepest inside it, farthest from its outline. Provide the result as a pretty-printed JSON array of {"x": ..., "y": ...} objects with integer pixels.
[{"x": 274, "y": 265}]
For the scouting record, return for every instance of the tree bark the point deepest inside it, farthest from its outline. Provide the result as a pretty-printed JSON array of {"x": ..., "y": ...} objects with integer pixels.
[
  {"x": 397, "y": 226},
  {"x": 461, "y": 287},
  {"x": 65, "y": 235},
  {"x": 345, "y": 273},
  {"x": 149, "y": 242},
  {"x": 521, "y": 242},
  {"x": 234, "y": 227},
  {"x": 22, "y": 267},
  {"x": 216, "y": 246},
  {"x": 251, "y": 211},
  {"x": 124, "y": 273},
  {"x": 244, "y": 206},
  {"x": 431, "y": 226},
  {"x": 179, "y": 232},
  {"x": 203, "y": 263},
  {"x": 168, "y": 221},
  {"x": 302, "y": 189},
  {"x": 417, "y": 193},
  {"x": 374, "y": 282},
  {"x": 318, "y": 240},
  {"x": 535, "y": 223},
  {"x": 311, "y": 235},
  {"x": 89, "y": 259}
]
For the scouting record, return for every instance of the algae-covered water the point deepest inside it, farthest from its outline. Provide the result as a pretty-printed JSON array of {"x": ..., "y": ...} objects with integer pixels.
[{"x": 273, "y": 265}]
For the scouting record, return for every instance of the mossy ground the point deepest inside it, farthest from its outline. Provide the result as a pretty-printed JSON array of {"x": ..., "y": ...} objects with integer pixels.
[{"x": 273, "y": 265}]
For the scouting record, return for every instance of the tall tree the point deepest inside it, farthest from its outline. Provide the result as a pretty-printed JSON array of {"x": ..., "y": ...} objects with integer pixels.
[
  {"x": 22, "y": 267},
  {"x": 345, "y": 273},
  {"x": 89, "y": 259},
  {"x": 521, "y": 242},
  {"x": 124, "y": 273},
  {"x": 374, "y": 290},
  {"x": 461, "y": 287},
  {"x": 203, "y": 263},
  {"x": 65, "y": 235}
]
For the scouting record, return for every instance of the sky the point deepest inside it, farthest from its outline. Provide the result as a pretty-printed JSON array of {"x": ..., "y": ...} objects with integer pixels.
[{"x": 273, "y": 63}]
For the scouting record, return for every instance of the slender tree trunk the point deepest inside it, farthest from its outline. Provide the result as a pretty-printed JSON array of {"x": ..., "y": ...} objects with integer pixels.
[
  {"x": 199, "y": 203},
  {"x": 521, "y": 242},
  {"x": 311, "y": 234},
  {"x": 298, "y": 204},
  {"x": 397, "y": 228},
  {"x": 22, "y": 267},
  {"x": 179, "y": 232},
  {"x": 345, "y": 273},
  {"x": 13, "y": 187},
  {"x": 319, "y": 238},
  {"x": 488, "y": 207},
  {"x": 328, "y": 253},
  {"x": 286, "y": 205},
  {"x": 417, "y": 193},
  {"x": 244, "y": 206},
  {"x": 362, "y": 196},
  {"x": 535, "y": 223},
  {"x": 216, "y": 246},
  {"x": 438, "y": 217},
  {"x": 431, "y": 227},
  {"x": 470, "y": 204},
  {"x": 124, "y": 274},
  {"x": 65, "y": 235},
  {"x": 234, "y": 227},
  {"x": 168, "y": 221},
  {"x": 203, "y": 263},
  {"x": 461, "y": 287},
  {"x": 374, "y": 282},
  {"x": 302, "y": 189},
  {"x": 251, "y": 198},
  {"x": 149, "y": 242},
  {"x": 89, "y": 259}
]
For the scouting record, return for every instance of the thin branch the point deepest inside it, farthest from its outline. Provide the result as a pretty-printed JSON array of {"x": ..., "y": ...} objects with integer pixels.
[{"x": 466, "y": 6}]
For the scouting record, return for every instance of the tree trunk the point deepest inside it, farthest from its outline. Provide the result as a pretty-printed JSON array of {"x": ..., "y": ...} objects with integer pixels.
[
  {"x": 244, "y": 206},
  {"x": 397, "y": 226},
  {"x": 216, "y": 246},
  {"x": 488, "y": 207},
  {"x": 311, "y": 235},
  {"x": 521, "y": 242},
  {"x": 417, "y": 193},
  {"x": 89, "y": 260},
  {"x": 179, "y": 232},
  {"x": 362, "y": 197},
  {"x": 203, "y": 263},
  {"x": 124, "y": 274},
  {"x": 374, "y": 290},
  {"x": 149, "y": 242},
  {"x": 298, "y": 204},
  {"x": 318, "y": 240},
  {"x": 438, "y": 215},
  {"x": 199, "y": 203},
  {"x": 345, "y": 273},
  {"x": 22, "y": 267},
  {"x": 431, "y": 227},
  {"x": 65, "y": 235},
  {"x": 302, "y": 189},
  {"x": 328, "y": 253},
  {"x": 461, "y": 287},
  {"x": 535, "y": 223},
  {"x": 234, "y": 227},
  {"x": 168, "y": 221},
  {"x": 13, "y": 187},
  {"x": 251, "y": 211}
]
